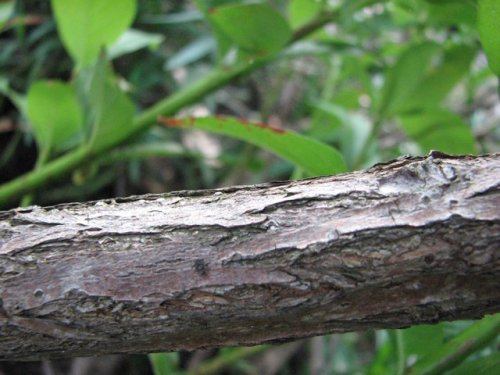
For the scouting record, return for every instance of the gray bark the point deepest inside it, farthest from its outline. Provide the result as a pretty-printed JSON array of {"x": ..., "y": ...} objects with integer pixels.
[{"x": 408, "y": 242}]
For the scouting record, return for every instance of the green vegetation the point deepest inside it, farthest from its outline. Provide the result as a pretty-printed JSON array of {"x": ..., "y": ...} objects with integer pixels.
[{"x": 105, "y": 98}]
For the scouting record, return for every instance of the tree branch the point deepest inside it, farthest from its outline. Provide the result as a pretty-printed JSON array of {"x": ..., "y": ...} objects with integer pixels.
[{"x": 413, "y": 241}]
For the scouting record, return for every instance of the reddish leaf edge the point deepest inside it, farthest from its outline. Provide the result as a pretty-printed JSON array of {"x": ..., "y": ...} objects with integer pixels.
[{"x": 173, "y": 122}]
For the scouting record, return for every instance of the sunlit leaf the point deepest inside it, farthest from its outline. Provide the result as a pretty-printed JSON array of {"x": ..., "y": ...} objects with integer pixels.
[
  {"x": 489, "y": 31},
  {"x": 315, "y": 157},
  {"x": 54, "y": 114},
  {"x": 302, "y": 11},
  {"x": 86, "y": 26},
  {"x": 110, "y": 108},
  {"x": 256, "y": 28}
]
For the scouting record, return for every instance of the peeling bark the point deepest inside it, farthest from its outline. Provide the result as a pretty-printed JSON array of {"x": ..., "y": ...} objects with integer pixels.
[{"x": 408, "y": 242}]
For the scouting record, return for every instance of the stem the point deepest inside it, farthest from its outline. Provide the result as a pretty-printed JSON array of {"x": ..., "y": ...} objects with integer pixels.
[
  {"x": 170, "y": 105},
  {"x": 314, "y": 25},
  {"x": 31, "y": 180},
  {"x": 43, "y": 157},
  {"x": 400, "y": 345},
  {"x": 167, "y": 107}
]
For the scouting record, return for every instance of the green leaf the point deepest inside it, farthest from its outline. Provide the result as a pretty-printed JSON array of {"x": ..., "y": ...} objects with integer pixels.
[
  {"x": 414, "y": 84},
  {"x": 111, "y": 110},
  {"x": 489, "y": 31},
  {"x": 452, "y": 12},
  {"x": 437, "y": 129},
  {"x": 256, "y": 28},
  {"x": 54, "y": 114},
  {"x": 86, "y": 26},
  {"x": 351, "y": 130},
  {"x": 224, "y": 43},
  {"x": 302, "y": 11},
  {"x": 406, "y": 12},
  {"x": 423, "y": 340},
  {"x": 437, "y": 84},
  {"x": 315, "y": 157},
  {"x": 456, "y": 350},
  {"x": 405, "y": 76},
  {"x": 164, "y": 363}
]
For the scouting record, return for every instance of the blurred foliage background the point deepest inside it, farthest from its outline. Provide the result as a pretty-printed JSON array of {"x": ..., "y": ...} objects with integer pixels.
[{"x": 323, "y": 87}]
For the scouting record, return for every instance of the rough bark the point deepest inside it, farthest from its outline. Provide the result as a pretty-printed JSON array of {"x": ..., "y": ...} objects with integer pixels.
[{"x": 412, "y": 241}]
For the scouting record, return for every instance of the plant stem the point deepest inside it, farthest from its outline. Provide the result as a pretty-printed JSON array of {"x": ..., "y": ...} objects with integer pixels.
[
  {"x": 36, "y": 178},
  {"x": 167, "y": 107},
  {"x": 43, "y": 157},
  {"x": 400, "y": 345},
  {"x": 170, "y": 105}
]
